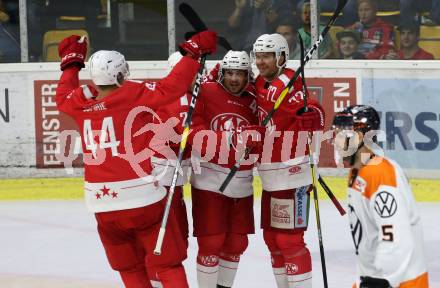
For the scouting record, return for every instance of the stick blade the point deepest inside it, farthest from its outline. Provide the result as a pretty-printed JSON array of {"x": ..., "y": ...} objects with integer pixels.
[{"x": 188, "y": 12}]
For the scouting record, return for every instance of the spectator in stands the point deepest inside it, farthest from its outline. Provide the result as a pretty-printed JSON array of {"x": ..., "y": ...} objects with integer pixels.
[
  {"x": 348, "y": 43},
  {"x": 408, "y": 9},
  {"x": 325, "y": 49},
  {"x": 349, "y": 13},
  {"x": 251, "y": 18},
  {"x": 9, "y": 42},
  {"x": 409, "y": 47},
  {"x": 289, "y": 30},
  {"x": 377, "y": 36}
]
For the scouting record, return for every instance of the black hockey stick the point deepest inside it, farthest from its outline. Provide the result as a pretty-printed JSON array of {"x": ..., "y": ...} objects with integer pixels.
[
  {"x": 193, "y": 18},
  {"x": 331, "y": 196},
  {"x": 313, "y": 170},
  {"x": 234, "y": 169},
  {"x": 183, "y": 141}
]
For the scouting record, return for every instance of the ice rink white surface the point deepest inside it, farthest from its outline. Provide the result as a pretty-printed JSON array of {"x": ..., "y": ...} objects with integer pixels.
[{"x": 55, "y": 244}]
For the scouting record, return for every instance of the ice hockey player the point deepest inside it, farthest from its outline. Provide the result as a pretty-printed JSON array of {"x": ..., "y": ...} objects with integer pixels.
[
  {"x": 163, "y": 162},
  {"x": 384, "y": 220},
  {"x": 127, "y": 206},
  {"x": 284, "y": 167},
  {"x": 222, "y": 221}
]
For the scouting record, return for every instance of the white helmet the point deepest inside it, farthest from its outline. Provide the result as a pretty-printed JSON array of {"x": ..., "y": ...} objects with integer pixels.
[
  {"x": 108, "y": 68},
  {"x": 236, "y": 60},
  {"x": 173, "y": 59},
  {"x": 272, "y": 43}
]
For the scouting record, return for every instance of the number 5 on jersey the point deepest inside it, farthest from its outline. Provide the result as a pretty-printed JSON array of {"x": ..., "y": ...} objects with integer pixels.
[{"x": 107, "y": 137}]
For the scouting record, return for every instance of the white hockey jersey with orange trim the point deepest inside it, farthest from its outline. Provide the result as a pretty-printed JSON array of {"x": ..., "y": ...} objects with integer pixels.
[{"x": 386, "y": 225}]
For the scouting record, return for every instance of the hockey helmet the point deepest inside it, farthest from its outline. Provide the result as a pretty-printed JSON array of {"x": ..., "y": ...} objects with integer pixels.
[
  {"x": 272, "y": 43},
  {"x": 108, "y": 68},
  {"x": 361, "y": 118},
  {"x": 238, "y": 60},
  {"x": 235, "y": 60}
]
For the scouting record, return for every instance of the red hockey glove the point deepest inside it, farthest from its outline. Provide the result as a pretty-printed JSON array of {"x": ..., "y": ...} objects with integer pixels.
[
  {"x": 204, "y": 42},
  {"x": 312, "y": 120},
  {"x": 72, "y": 51}
]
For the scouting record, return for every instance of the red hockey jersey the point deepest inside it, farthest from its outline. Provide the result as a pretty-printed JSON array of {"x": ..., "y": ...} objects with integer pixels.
[
  {"x": 377, "y": 39},
  {"x": 117, "y": 164},
  {"x": 284, "y": 164},
  {"x": 163, "y": 162},
  {"x": 222, "y": 111}
]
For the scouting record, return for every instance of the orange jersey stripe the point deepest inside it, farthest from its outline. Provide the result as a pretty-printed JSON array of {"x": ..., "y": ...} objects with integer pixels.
[
  {"x": 382, "y": 173},
  {"x": 419, "y": 282}
]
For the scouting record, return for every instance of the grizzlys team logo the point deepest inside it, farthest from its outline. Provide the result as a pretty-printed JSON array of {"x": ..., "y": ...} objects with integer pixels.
[
  {"x": 291, "y": 269},
  {"x": 208, "y": 261},
  {"x": 228, "y": 122},
  {"x": 385, "y": 204}
]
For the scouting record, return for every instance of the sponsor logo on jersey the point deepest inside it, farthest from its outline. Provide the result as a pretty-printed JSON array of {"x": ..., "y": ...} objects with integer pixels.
[
  {"x": 291, "y": 268},
  {"x": 295, "y": 170},
  {"x": 208, "y": 261},
  {"x": 228, "y": 122},
  {"x": 385, "y": 204},
  {"x": 359, "y": 184},
  {"x": 282, "y": 213},
  {"x": 301, "y": 207}
]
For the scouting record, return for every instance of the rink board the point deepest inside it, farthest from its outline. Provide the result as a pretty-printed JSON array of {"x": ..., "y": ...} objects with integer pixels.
[
  {"x": 425, "y": 190},
  {"x": 405, "y": 93}
]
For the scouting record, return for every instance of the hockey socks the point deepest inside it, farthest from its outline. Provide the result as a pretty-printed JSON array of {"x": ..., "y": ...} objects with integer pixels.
[
  {"x": 279, "y": 270},
  {"x": 207, "y": 270},
  {"x": 228, "y": 265}
]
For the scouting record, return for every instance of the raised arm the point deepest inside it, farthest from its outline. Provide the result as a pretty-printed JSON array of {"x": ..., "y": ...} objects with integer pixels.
[
  {"x": 72, "y": 51},
  {"x": 181, "y": 77}
]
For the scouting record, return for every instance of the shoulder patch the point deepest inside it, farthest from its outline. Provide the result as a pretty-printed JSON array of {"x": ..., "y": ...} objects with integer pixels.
[{"x": 385, "y": 204}]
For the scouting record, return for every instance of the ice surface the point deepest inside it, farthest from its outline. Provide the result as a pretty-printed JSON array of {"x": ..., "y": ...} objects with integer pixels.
[{"x": 55, "y": 244}]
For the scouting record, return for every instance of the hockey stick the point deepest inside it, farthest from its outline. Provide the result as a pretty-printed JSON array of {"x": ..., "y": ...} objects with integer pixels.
[
  {"x": 331, "y": 196},
  {"x": 183, "y": 141},
  {"x": 193, "y": 18},
  {"x": 313, "y": 170},
  {"x": 234, "y": 169}
]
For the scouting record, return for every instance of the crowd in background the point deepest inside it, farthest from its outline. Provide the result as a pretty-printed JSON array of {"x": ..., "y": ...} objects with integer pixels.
[{"x": 361, "y": 32}]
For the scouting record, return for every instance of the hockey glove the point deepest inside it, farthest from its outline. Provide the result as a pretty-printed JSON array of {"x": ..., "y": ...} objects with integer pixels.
[
  {"x": 312, "y": 120},
  {"x": 72, "y": 51},
  {"x": 369, "y": 282},
  {"x": 204, "y": 42}
]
